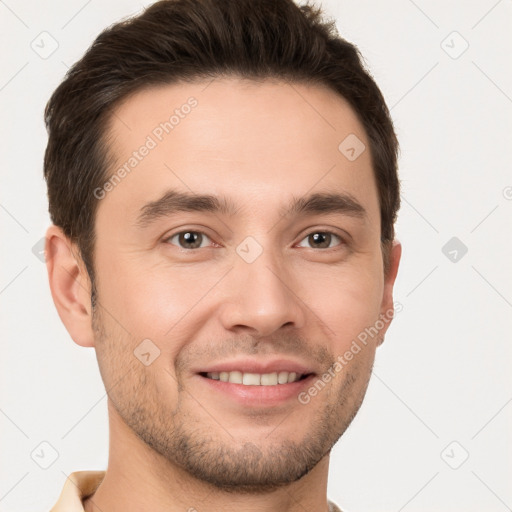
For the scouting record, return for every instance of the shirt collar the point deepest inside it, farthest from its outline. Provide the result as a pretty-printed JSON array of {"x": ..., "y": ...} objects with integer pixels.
[{"x": 79, "y": 485}]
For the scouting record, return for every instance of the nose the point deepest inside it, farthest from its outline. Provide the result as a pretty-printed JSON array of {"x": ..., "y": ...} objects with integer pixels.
[{"x": 261, "y": 299}]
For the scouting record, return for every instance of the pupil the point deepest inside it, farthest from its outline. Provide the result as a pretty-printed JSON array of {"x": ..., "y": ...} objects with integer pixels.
[
  {"x": 322, "y": 240},
  {"x": 190, "y": 238}
]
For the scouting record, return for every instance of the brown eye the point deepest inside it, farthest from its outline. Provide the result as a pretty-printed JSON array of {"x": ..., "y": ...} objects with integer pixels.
[
  {"x": 321, "y": 240},
  {"x": 188, "y": 239}
]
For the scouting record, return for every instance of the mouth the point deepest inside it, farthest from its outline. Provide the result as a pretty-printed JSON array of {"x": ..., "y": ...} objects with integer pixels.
[
  {"x": 256, "y": 379},
  {"x": 256, "y": 383}
]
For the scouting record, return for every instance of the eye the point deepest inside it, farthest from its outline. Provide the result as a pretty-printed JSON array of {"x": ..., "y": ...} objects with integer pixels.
[
  {"x": 321, "y": 240},
  {"x": 189, "y": 239}
]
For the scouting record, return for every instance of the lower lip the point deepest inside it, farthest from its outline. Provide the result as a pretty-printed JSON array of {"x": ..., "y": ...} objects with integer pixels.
[{"x": 259, "y": 395}]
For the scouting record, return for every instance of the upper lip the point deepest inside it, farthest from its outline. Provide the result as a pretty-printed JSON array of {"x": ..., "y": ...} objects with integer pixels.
[{"x": 258, "y": 366}]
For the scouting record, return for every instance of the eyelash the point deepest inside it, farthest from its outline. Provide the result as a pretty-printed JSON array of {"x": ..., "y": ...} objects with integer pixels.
[{"x": 324, "y": 232}]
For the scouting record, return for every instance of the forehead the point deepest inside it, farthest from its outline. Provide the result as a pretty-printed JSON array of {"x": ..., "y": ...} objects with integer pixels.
[{"x": 261, "y": 141}]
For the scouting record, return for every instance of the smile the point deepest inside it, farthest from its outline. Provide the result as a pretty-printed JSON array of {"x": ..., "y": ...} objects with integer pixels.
[{"x": 255, "y": 379}]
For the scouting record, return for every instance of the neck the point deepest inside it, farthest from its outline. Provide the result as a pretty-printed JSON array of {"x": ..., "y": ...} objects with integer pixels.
[{"x": 138, "y": 478}]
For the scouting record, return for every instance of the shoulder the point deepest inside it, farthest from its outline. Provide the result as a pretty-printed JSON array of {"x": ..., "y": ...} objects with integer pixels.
[
  {"x": 78, "y": 485},
  {"x": 333, "y": 507}
]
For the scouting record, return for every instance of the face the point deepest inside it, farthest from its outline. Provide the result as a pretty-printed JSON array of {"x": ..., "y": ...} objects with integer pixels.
[{"x": 221, "y": 318}]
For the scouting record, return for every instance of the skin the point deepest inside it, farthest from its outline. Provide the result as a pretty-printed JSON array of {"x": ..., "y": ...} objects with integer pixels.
[{"x": 260, "y": 144}]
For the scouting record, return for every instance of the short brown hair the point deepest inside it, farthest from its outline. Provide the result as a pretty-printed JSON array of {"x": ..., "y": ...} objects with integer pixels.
[{"x": 184, "y": 40}]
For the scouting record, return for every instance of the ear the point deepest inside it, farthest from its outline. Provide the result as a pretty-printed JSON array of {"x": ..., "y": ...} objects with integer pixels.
[
  {"x": 70, "y": 286},
  {"x": 387, "y": 310}
]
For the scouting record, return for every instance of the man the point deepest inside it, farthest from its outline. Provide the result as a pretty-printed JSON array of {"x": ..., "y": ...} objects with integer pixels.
[{"x": 222, "y": 179}]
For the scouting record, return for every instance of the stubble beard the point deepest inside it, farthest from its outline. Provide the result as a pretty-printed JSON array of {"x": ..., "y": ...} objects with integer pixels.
[{"x": 208, "y": 452}]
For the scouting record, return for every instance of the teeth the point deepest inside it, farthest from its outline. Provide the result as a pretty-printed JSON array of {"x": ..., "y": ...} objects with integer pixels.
[
  {"x": 255, "y": 379},
  {"x": 251, "y": 379},
  {"x": 282, "y": 377},
  {"x": 235, "y": 377},
  {"x": 269, "y": 379}
]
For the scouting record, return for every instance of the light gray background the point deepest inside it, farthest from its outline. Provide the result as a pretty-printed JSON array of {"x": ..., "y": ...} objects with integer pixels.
[{"x": 443, "y": 373}]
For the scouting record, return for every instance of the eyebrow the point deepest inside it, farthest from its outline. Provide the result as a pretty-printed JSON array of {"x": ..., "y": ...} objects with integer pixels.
[{"x": 174, "y": 201}]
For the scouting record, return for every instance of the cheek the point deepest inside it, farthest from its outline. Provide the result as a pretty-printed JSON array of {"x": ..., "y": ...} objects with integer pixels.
[
  {"x": 349, "y": 305},
  {"x": 159, "y": 301}
]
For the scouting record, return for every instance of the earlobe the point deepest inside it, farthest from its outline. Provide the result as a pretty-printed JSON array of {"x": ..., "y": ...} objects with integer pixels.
[
  {"x": 387, "y": 307},
  {"x": 70, "y": 286}
]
